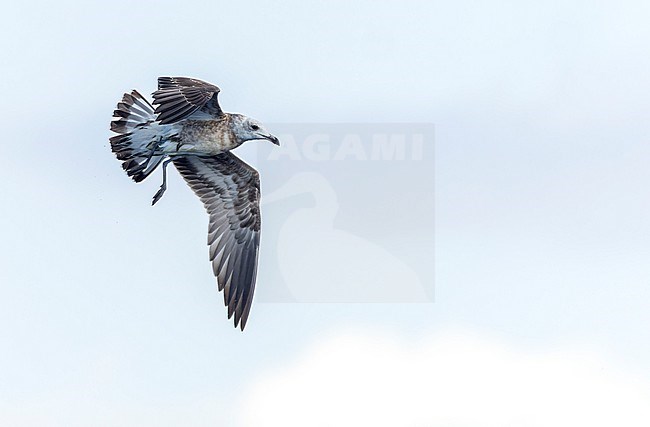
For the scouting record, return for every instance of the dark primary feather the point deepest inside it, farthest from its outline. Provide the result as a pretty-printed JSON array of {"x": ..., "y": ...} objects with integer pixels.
[
  {"x": 177, "y": 98},
  {"x": 230, "y": 192}
]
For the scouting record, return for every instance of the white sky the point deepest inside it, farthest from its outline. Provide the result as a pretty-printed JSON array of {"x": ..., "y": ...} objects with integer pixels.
[{"x": 108, "y": 312}]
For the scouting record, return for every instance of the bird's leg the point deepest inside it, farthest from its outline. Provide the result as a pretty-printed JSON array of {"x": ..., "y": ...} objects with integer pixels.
[
  {"x": 154, "y": 151},
  {"x": 163, "y": 186}
]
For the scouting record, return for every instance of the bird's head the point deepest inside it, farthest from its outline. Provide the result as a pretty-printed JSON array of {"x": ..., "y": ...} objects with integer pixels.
[{"x": 248, "y": 129}]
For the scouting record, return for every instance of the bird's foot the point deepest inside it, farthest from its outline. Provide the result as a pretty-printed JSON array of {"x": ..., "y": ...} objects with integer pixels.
[{"x": 158, "y": 194}]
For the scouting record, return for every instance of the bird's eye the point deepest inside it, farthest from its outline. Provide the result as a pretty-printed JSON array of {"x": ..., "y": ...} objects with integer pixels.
[{"x": 255, "y": 127}]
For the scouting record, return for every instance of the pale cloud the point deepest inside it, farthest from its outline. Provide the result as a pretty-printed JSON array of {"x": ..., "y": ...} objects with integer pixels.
[{"x": 450, "y": 380}]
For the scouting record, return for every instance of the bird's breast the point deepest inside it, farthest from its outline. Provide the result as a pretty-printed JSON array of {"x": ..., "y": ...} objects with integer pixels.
[{"x": 207, "y": 136}]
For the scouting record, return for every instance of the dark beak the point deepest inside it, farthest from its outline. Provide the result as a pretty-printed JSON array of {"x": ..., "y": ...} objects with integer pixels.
[{"x": 273, "y": 139}]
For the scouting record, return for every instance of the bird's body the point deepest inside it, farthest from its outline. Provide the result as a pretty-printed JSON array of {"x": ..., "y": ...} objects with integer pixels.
[
  {"x": 208, "y": 136},
  {"x": 187, "y": 127}
]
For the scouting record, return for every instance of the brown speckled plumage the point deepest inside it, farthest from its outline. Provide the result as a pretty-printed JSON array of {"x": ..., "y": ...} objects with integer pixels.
[{"x": 209, "y": 136}]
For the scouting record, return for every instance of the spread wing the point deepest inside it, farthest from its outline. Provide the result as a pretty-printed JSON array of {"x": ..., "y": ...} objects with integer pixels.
[
  {"x": 177, "y": 98},
  {"x": 230, "y": 191}
]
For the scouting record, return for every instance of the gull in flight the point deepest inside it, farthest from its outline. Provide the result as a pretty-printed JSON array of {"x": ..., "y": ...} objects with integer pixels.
[{"x": 186, "y": 126}]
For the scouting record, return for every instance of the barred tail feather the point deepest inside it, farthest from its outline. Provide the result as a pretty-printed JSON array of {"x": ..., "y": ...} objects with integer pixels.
[{"x": 138, "y": 136}]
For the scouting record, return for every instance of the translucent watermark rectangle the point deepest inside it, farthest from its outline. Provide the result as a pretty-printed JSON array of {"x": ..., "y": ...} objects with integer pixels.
[{"x": 348, "y": 213}]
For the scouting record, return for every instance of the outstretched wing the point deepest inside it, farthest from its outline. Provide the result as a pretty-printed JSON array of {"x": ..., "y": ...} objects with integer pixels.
[
  {"x": 230, "y": 191},
  {"x": 177, "y": 98}
]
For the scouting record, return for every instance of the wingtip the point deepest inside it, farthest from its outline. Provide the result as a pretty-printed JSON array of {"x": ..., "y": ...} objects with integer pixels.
[{"x": 241, "y": 323}]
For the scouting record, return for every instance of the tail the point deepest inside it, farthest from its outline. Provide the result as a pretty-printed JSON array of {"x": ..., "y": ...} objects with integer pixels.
[{"x": 139, "y": 138}]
